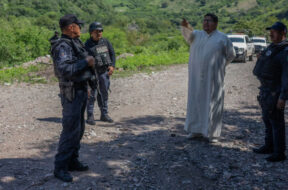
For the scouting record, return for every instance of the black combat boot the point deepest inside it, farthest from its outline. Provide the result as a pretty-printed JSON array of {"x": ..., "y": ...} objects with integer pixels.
[
  {"x": 276, "y": 157},
  {"x": 90, "y": 119},
  {"x": 63, "y": 175},
  {"x": 263, "y": 150},
  {"x": 106, "y": 118},
  {"x": 76, "y": 165}
]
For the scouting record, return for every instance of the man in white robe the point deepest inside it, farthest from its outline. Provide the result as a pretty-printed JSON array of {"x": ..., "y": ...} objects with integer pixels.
[{"x": 210, "y": 52}]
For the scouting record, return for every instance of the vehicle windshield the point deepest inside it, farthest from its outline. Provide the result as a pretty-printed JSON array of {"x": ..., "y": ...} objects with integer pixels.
[
  {"x": 234, "y": 39},
  {"x": 258, "y": 41}
]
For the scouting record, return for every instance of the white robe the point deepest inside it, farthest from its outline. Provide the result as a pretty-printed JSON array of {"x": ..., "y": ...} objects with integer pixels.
[{"x": 209, "y": 55}]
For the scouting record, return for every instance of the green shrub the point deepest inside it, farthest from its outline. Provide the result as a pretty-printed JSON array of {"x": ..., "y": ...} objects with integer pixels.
[
  {"x": 141, "y": 61},
  {"x": 21, "y": 41},
  {"x": 20, "y": 74}
]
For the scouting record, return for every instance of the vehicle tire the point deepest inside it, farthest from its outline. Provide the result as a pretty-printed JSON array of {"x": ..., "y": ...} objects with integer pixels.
[{"x": 251, "y": 57}]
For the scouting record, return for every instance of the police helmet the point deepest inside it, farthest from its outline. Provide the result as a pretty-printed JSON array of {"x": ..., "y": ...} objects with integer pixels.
[{"x": 95, "y": 26}]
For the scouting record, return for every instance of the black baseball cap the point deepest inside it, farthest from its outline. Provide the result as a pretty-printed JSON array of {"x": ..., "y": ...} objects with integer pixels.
[
  {"x": 69, "y": 19},
  {"x": 279, "y": 26},
  {"x": 95, "y": 26}
]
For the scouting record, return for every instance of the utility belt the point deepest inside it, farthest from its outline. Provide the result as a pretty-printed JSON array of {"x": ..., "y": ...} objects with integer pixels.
[
  {"x": 269, "y": 84},
  {"x": 101, "y": 70},
  {"x": 67, "y": 89},
  {"x": 80, "y": 85}
]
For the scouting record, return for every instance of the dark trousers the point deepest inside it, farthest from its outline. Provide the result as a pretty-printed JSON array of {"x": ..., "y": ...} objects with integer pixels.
[
  {"x": 102, "y": 96},
  {"x": 73, "y": 129},
  {"x": 274, "y": 121}
]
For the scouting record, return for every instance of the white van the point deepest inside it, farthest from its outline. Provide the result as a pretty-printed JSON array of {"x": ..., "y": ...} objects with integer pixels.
[
  {"x": 243, "y": 46},
  {"x": 260, "y": 43}
]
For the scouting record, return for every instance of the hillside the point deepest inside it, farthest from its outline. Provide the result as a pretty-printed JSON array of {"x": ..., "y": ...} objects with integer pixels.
[
  {"x": 229, "y": 11},
  {"x": 144, "y": 12},
  {"x": 134, "y": 26}
]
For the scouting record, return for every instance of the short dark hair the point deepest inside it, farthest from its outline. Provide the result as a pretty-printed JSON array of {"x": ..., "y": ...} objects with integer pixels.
[{"x": 213, "y": 16}]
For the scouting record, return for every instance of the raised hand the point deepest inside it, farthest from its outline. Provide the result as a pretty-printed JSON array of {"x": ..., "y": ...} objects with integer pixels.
[{"x": 185, "y": 23}]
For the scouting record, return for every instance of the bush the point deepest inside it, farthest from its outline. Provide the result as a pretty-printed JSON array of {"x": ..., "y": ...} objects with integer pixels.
[
  {"x": 20, "y": 42},
  {"x": 164, "y": 5},
  {"x": 141, "y": 61}
]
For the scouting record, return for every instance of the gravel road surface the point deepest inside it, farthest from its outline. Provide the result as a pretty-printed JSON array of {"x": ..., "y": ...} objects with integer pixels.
[{"x": 146, "y": 147}]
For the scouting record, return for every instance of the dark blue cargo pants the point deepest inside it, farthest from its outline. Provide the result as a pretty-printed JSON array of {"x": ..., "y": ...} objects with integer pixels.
[
  {"x": 102, "y": 96},
  {"x": 73, "y": 128},
  {"x": 274, "y": 121}
]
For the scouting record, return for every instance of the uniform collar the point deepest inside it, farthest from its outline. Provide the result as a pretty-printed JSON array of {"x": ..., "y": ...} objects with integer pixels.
[
  {"x": 283, "y": 42},
  {"x": 66, "y": 36},
  {"x": 280, "y": 44}
]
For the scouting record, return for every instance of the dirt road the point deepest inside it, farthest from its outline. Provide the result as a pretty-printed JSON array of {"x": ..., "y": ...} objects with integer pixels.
[{"x": 146, "y": 147}]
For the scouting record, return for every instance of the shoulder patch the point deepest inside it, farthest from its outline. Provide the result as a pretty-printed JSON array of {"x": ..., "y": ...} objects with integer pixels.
[
  {"x": 63, "y": 53},
  {"x": 268, "y": 53}
]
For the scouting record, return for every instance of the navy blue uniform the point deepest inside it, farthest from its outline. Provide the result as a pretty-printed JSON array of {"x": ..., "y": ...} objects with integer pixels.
[
  {"x": 274, "y": 86},
  {"x": 69, "y": 65},
  {"x": 104, "y": 78}
]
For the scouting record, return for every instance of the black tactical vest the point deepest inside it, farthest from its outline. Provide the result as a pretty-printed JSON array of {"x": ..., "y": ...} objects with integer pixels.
[
  {"x": 55, "y": 41},
  {"x": 101, "y": 54},
  {"x": 80, "y": 53},
  {"x": 267, "y": 67}
]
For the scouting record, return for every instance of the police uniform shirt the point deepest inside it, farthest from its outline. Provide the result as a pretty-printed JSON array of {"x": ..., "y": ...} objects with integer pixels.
[
  {"x": 284, "y": 85},
  {"x": 66, "y": 61},
  {"x": 282, "y": 59}
]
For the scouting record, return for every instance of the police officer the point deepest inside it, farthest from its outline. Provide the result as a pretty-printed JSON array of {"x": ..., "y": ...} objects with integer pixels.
[
  {"x": 103, "y": 52},
  {"x": 71, "y": 65},
  {"x": 272, "y": 71}
]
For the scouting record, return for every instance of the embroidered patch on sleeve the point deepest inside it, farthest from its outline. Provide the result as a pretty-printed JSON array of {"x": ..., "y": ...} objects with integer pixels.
[{"x": 63, "y": 53}]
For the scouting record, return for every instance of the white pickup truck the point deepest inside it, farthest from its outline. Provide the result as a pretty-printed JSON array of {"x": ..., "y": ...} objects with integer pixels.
[
  {"x": 243, "y": 46},
  {"x": 260, "y": 43}
]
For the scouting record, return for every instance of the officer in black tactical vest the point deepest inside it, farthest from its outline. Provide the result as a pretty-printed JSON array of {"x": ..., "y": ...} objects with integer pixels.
[
  {"x": 272, "y": 71},
  {"x": 73, "y": 67},
  {"x": 103, "y": 52}
]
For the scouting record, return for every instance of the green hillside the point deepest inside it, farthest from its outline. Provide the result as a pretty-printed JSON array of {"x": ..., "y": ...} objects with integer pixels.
[
  {"x": 251, "y": 15},
  {"x": 141, "y": 27}
]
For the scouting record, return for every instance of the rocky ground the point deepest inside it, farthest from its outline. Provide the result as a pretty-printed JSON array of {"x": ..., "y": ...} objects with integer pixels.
[{"x": 146, "y": 147}]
